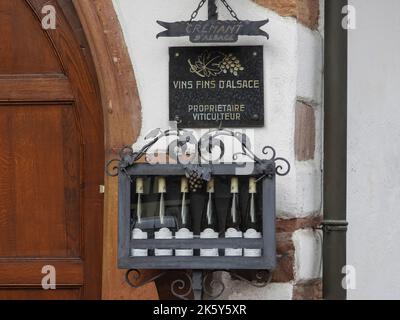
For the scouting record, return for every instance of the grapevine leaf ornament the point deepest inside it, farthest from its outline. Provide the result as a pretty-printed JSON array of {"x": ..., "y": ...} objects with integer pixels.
[
  {"x": 207, "y": 64},
  {"x": 214, "y": 63}
]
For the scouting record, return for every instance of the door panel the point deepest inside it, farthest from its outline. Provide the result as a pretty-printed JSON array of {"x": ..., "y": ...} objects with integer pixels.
[
  {"x": 25, "y": 47},
  {"x": 25, "y": 271},
  {"x": 35, "y": 88},
  {"x": 35, "y": 293},
  {"x": 51, "y": 158},
  {"x": 38, "y": 138}
]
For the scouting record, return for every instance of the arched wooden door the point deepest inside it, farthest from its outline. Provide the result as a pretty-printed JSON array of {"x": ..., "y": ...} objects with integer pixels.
[{"x": 51, "y": 156}]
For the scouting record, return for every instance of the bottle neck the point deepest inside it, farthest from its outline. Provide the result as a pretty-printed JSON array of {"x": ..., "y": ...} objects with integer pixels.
[
  {"x": 209, "y": 214},
  {"x": 251, "y": 216},
  {"x": 161, "y": 211},
  {"x": 234, "y": 212},
  {"x": 184, "y": 211}
]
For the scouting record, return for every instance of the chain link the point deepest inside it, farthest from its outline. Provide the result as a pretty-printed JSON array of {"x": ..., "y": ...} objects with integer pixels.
[
  {"x": 196, "y": 12},
  {"x": 231, "y": 11},
  {"x": 201, "y": 4}
]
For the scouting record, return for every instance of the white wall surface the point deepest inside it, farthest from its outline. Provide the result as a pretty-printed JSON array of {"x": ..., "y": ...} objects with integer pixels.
[{"x": 374, "y": 150}]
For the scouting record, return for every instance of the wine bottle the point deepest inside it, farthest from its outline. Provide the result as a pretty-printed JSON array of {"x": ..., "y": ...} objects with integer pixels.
[
  {"x": 209, "y": 222},
  {"x": 185, "y": 222},
  {"x": 137, "y": 232},
  {"x": 251, "y": 224},
  {"x": 163, "y": 233},
  {"x": 233, "y": 221}
]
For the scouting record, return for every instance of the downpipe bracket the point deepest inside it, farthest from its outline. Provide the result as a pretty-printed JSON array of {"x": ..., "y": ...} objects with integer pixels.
[{"x": 334, "y": 225}]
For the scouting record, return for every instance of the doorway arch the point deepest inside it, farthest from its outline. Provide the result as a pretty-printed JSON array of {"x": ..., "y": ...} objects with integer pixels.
[
  {"x": 122, "y": 121},
  {"x": 87, "y": 84}
]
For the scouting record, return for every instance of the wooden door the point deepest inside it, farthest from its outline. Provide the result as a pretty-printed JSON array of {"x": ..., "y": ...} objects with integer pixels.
[{"x": 51, "y": 157}]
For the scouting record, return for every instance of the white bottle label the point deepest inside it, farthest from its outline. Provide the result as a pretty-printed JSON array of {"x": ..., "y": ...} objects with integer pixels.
[
  {"x": 163, "y": 234},
  {"x": 138, "y": 234},
  {"x": 184, "y": 185},
  {"x": 162, "y": 185},
  {"x": 209, "y": 234},
  {"x": 234, "y": 185},
  {"x": 139, "y": 186},
  {"x": 252, "y": 185},
  {"x": 252, "y": 234},
  {"x": 184, "y": 234},
  {"x": 231, "y": 252},
  {"x": 210, "y": 186}
]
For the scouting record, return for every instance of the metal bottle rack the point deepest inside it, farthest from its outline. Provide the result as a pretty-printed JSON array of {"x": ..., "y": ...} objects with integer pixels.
[{"x": 198, "y": 270}]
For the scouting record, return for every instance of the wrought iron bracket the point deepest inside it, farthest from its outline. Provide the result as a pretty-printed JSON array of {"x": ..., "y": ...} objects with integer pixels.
[
  {"x": 205, "y": 146},
  {"x": 199, "y": 284},
  {"x": 334, "y": 225}
]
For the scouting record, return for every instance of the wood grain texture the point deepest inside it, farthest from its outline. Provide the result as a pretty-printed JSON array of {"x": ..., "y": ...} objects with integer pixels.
[
  {"x": 20, "y": 272},
  {"x": 37, "y": 293},
  {"x": 52, "y": 142},
  {"x": 35, "y": 88},
  {"x": 25, "y": 47},
  {"x": 122, "y": 120}
]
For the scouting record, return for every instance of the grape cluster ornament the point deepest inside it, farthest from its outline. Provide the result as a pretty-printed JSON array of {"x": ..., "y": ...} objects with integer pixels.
[{"x": 231, "y": 64}]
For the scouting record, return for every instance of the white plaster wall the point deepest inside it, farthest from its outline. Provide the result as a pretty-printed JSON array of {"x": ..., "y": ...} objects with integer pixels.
[
  {"x": 293, "y": 71},
  {"x": 308, "y": 255},
  {"x": 239, "y": 290},
  {"x": 374, "y": 153}
]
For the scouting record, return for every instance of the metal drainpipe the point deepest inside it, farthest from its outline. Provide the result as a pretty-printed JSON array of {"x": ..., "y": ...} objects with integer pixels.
[{"x": 335, "y": 151}]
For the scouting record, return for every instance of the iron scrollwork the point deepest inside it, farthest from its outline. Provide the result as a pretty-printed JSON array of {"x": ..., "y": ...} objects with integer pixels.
[
  {"x": 184, "y": 287},
  {"x": 139, "y": 280},
  {"x": 213, "y": 287},
  {"x": 186, "y": 150},
  {"x": 259, "y": 279}
]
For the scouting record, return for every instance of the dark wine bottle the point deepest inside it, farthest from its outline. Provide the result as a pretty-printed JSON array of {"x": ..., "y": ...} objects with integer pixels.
[
  {"x": 138, "y": 233},
  {"x": 185, "y": 230},
  {"x": 234, "y": 219},
  {"x": 209, "y": 225},
  {"x": 163, "y": 233},
  {"x": 252, "y": 224}
]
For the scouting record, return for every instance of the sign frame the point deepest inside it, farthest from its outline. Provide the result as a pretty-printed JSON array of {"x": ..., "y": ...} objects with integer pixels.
[{"x": 217, "y": 86}]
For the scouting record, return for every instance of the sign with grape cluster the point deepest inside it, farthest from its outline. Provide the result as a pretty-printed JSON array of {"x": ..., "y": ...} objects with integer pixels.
[{"x": 217, "y": 86}]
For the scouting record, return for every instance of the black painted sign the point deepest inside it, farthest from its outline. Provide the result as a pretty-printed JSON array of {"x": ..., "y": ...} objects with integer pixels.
[
  {"x": 211, "y": 31},
  {"x": 217, "y": 86}
]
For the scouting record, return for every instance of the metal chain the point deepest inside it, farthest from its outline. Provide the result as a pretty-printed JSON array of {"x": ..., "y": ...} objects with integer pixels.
[
  {"x": 196, "y": 12},
  {"x": 201, "y": 4},
  {"x": 231, "y": 11}
]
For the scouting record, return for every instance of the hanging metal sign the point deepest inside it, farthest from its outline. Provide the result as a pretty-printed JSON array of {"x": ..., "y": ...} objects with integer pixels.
[
  {"x": 213, "y": 30},
  {"x": 214, "y": 86}
]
